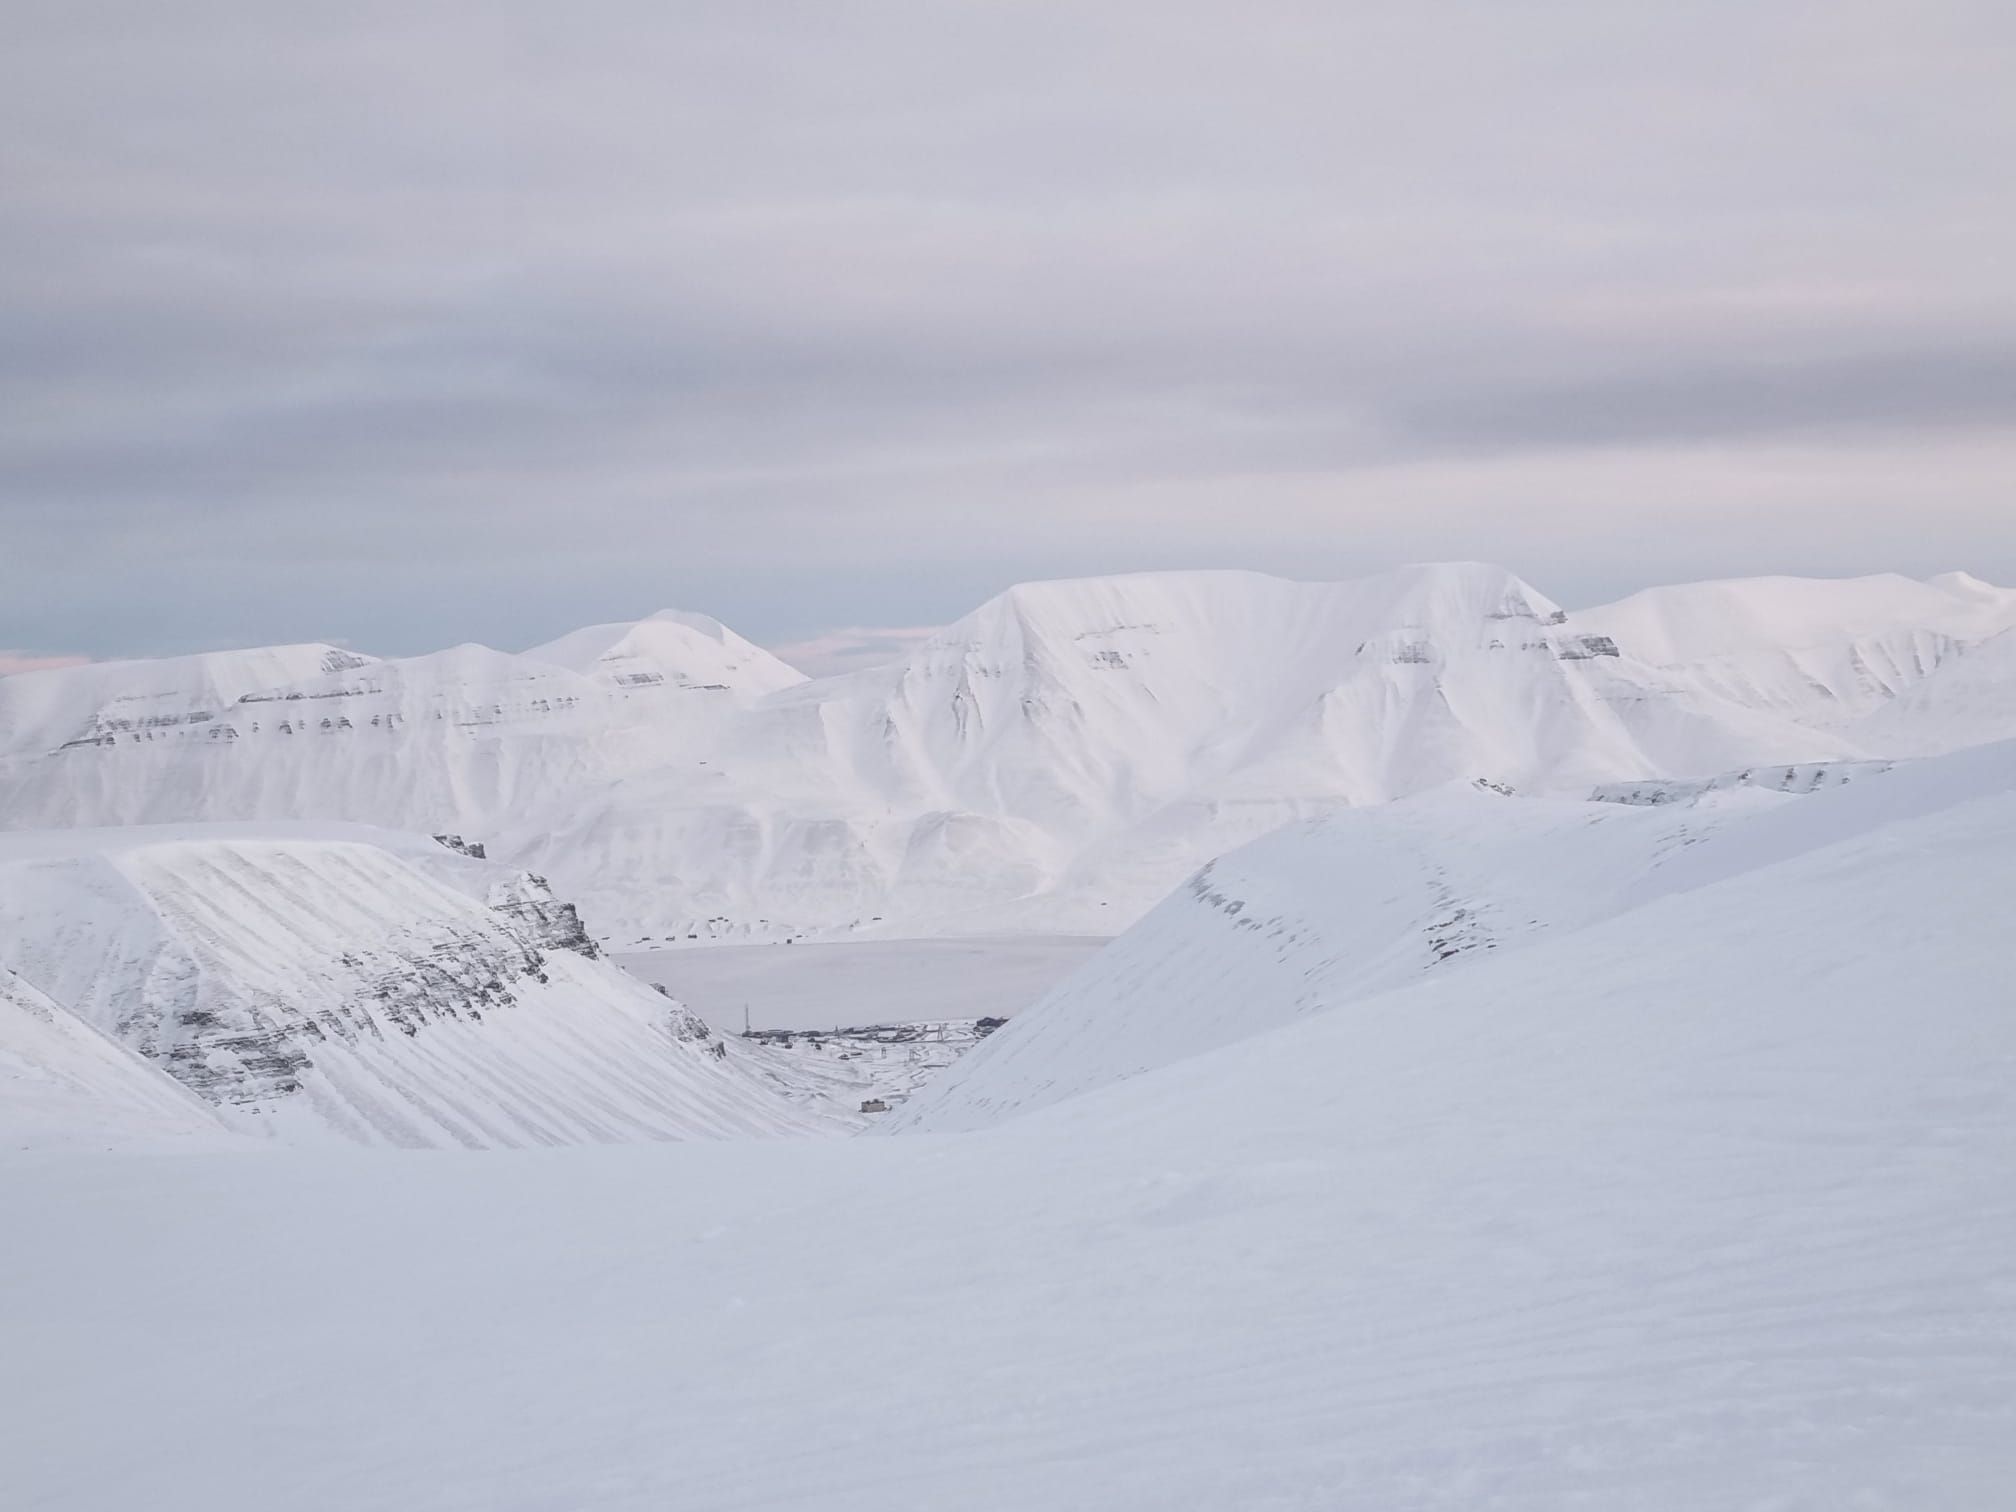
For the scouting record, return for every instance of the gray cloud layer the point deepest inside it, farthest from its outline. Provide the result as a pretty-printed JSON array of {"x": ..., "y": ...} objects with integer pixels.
[{"x": 418, "y": 323}]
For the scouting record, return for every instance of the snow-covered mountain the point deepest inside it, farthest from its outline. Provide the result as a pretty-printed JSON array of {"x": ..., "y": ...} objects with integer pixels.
[
  {"x": 671, "y": 648},
  {"x": 1055, "y": 761},
  {"x": 106, "y": 704},
  {"x": 65, "y": 1085},
  {"x": 1822, "y": 651},
  {"x": 319, "y": 982},
  {"x": 1970, "y": 699},
  {"x": 1321, "y": 916},
  {"x": 1694, "y": 622},
  {"x": 1309, "y": 916},
  {"x": 451, "y": 741}
]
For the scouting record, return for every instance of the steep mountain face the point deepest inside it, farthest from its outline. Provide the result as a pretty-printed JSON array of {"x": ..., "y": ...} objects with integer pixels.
[
  {"x": 1323, "y": 917},
  {"x": 359, "y": 985},
  {"x": 1055, "y": 761},
  {"x": 63, "y": 1085}
]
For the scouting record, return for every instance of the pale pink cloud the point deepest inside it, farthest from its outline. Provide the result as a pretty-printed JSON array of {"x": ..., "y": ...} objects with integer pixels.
[
  {"x": 26, "y": 661},
  {"x": 849, "y": 648}
]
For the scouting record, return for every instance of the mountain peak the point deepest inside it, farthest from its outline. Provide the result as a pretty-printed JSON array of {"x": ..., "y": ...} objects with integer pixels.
[{"x": 671, "y": 648}]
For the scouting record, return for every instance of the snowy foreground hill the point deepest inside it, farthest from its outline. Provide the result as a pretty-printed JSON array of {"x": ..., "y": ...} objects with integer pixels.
[
  {"x": 1442, "y": 888},
  {"x": 1054, "y": 762},
  {"x": 1480, "y": 1151}
]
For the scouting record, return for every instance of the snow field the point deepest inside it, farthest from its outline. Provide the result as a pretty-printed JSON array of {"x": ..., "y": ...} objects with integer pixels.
[{"x": 1701, "y": 1204}]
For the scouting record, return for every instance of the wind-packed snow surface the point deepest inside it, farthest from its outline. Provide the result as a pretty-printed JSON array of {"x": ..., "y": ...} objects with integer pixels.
[
  {"x": 1052, "y": 763},
  {"x": 314, "y": 983},
  {"x": 1491, "y": 1152}
]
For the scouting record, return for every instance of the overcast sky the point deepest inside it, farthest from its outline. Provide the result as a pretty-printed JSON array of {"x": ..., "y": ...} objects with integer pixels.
[{"x": 408, "y": 324}]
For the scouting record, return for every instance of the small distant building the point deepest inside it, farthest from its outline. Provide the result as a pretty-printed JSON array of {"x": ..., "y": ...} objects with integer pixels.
[{"x": 875, "y": 1105}]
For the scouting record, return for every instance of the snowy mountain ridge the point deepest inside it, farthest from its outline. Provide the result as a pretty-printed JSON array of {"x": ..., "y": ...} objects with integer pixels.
[{"x": 1055, "y": 761}]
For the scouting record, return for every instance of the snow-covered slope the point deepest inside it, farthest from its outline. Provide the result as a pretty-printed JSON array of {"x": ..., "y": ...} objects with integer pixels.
[
  {"x": 362, "y": 985},
  {"x": 1322, "y": 915},
  {"x": 1702, "y": 1205},
  {"x": 1310, "y": 916},
  {"x": 65, "y": 1085},
  {"x": 671, "y": 649},
  {"x": 1054, "y": 762},
  {"x": 1823, "y": 651},
  {"x": 1969, "y": 700},
  {"x": 1692, "y": 622}
]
